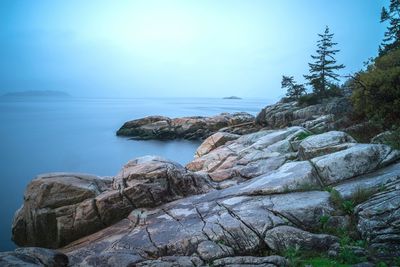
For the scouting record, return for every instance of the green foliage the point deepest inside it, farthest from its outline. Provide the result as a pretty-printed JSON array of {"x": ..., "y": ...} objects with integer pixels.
[
  {"x": 323, "y": 220},
  {"x": 314, "y": 98},
  {"x": 293, "y": 255},
  {"x": 323, "y": 69},
  {"x": 348, "y": 206},
  {"x": 393, "y": 139},
  {"x": 303, "y": 135},
  {"x": 335, "y": 198},
  {"x": 308, "y": 100},
  {"x": 299, "y": 258},
  {"x": 392, "y": 34},
  {"x": 381, "y": 264},
  {"x": 294, "y": 90},
  {"x": 376, "y": 90},
  {"x": 346, "y": 255}
]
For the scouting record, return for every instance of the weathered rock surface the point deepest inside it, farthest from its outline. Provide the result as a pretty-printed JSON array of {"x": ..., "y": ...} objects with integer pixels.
[
  {"x": 158, "y": 127},
  {"x": 354, "y": 161},
  {"x": 50, "y": 201},
  {"x": 237, "y": 224},
  {"x": 214, "y": 141},
  {"x": 248, "y": 156},
  {"x": 33, "y": 257},
  {"x": 383, "y": 138},
  {"x": 60, "y": 208},
  {"x": 257, "y": 194},
  {"x": 322, "y": 144},
  {"x": 270, "y": 261},
  {"x": 379, "y": 221},
  {"x": 282, "y": 238},
  {"x": 317, "y": 118}
]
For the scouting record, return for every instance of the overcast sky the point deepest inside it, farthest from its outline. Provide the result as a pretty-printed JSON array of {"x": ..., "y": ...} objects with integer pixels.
[{"x": 203, "y": 48}]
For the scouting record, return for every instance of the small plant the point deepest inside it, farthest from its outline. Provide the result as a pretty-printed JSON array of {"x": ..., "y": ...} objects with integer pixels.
[
  {"x": 323, "y": 221},
  {"x": 360, "y": 243},
  {"x": 336, "y": 198},
  {"x": 348, "y": 206},
  {"x": 292, "y": 254},
  {"x": 382, "y": 188},
  {"x": 303, "y": 135},
  {"x": 346, "y": 255},
  {"x": 361, "y": 195}
]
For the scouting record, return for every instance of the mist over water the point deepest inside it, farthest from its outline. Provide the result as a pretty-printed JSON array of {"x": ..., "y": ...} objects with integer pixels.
[{"x": 40, "y": 135}]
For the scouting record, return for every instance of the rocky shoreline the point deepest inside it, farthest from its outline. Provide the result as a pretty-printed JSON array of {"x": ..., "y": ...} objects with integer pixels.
[{"x": 292, "y": 178}]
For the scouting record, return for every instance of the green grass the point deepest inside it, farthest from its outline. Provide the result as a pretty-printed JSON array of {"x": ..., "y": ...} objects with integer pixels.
[
  {"x": 362, "y": 194},
  {"x": 303, "y": 135}
]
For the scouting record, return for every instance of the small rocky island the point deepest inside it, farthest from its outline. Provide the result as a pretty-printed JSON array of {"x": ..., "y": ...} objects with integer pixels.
[
  {"x": 37, "y": 93},
  {"x": 261, "y": 191},
  {"x": 232, "y": 97}
]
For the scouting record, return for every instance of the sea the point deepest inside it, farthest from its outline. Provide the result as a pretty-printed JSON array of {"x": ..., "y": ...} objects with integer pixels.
[{"x": 42, "y": 135}]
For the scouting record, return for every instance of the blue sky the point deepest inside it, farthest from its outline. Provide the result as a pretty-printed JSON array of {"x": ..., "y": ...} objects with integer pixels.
[{"x": 174, "y": 48}]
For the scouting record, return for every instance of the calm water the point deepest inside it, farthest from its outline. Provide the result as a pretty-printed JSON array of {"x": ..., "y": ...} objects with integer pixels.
[{"x": 78, "y": 135}]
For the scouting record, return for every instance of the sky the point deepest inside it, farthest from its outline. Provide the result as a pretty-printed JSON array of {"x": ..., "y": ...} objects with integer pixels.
[{"x": 207, "y": 48}]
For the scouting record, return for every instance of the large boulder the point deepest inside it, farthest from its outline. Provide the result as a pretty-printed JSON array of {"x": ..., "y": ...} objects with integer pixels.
[
  {"x": 60, "y": 208},
  {"x": 49, "y": 201},
  {"x": 158, "y": 127},
  {"x": 354, "y": 161},
  {"x": 326, "y": 143},
  {"x": 150, "y": 181}
]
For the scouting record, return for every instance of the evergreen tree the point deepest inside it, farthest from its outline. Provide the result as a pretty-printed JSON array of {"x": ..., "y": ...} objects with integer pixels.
[
  {"x": 294, "y": 90},
  {"x": 323, "y": 70},
  {"x": 392, "y": 34}
]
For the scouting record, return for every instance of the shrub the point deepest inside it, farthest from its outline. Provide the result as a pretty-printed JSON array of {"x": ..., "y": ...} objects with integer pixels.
[
  {"x": 335, "y": 197},
  {"x": 348, "y": 206},
  {"x": 303, "y": 135},
  {"x": 376, "y": 90},
  {"x": 308, "y": 100}
]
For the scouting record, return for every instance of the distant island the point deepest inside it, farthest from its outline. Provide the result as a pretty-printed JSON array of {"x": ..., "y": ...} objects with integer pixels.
[
  {"x": 232, "y": 97},
  {"x": 37, "y": 93}
]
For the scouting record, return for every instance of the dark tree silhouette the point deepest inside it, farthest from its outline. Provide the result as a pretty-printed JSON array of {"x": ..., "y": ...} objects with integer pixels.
[
  {"x": 323, "y": 72},
  {"x": 294, "y": 90},
  {"x": 392, "y": 34}
]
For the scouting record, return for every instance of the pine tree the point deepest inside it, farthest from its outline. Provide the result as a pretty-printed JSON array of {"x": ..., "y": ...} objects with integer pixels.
[
  {"x": 294, "y": 90},
  {"x": 323, "y": 70},
  {"x": 392, "y": 34}
]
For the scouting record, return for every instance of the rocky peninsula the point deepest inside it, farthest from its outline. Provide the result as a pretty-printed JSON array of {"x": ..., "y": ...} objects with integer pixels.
[{"x": 261, "y": 191}]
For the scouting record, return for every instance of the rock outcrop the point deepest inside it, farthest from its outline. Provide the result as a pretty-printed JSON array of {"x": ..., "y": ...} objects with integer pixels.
[
  {"x": 249, "y": 156},
  {"x": 159, "y": 127},
  {"x": 241, "y": 199},
  {"x": 316, "y": 118},
  {"x": 60, "y": 208}
]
